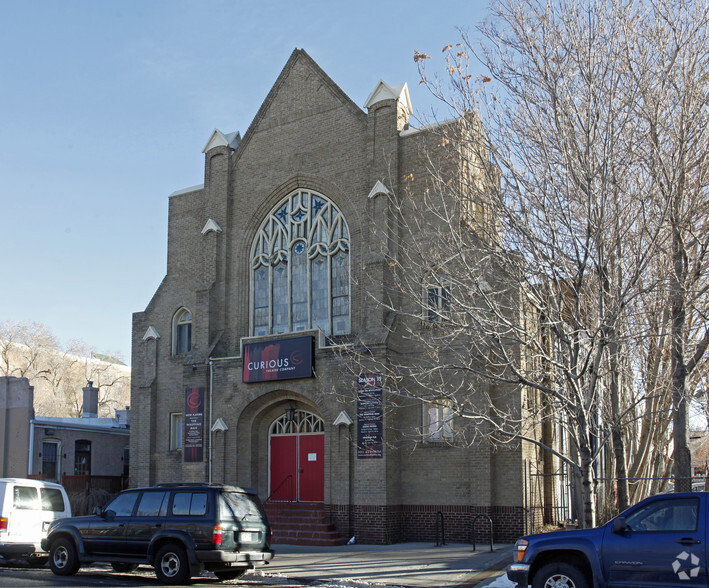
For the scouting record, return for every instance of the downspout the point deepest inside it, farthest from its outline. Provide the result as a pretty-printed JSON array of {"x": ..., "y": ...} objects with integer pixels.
[
  {"x": 31, "y": 451},
  {"x": 211, "y": 385}
]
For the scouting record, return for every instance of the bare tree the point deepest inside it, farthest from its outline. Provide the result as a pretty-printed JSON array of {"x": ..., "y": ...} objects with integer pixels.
[
  {"x": 59, "y": 376},
  {"x": 21, "y": 346},
  {"x": 535, "y": 266},
  {"x": 671, "y": 69}
]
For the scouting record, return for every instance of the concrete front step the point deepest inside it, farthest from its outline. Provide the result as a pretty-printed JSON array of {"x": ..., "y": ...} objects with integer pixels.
[{"x": 302, "y": 523}]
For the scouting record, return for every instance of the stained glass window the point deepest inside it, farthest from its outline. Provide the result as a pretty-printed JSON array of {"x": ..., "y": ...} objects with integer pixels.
[{"x": 300, "y": 268}]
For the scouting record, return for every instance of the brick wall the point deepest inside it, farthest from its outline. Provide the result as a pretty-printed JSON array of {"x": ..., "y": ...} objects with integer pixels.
[{"x": 422, "y": 523}]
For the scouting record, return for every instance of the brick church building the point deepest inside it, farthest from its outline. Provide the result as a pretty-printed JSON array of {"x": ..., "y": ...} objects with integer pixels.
[{"x": 239, "y": 374}]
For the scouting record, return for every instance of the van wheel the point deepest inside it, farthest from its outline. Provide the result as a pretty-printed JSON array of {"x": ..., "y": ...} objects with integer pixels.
[
  {"x": 124, "y": 568},
  {"x": 559, "y": 575},
  {"x": 229, "y": 574},
  {"x": 63, "y": 559},
  {"x": 171, "y": 565}
]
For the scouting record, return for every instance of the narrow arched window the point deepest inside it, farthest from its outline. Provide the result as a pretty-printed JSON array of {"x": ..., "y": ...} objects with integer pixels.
[
  {"x": 300, "y": 268},
  {"x": 182, "y": 332}
]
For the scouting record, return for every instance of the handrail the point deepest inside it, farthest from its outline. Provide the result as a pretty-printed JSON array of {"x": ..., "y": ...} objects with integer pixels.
[
  {"x": 475, "y": 520},
  {"x": 288, "y": 477},
  {"x": 439, "y": 517}
]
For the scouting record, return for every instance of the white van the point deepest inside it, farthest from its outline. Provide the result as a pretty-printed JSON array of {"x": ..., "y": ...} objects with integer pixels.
[{"x": 26, "y": 509}]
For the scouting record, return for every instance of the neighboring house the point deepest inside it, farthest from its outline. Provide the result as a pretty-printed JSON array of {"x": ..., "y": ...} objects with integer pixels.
[
  {"x": 74, "y": 451},
  {"x": 238, "y": 372}
]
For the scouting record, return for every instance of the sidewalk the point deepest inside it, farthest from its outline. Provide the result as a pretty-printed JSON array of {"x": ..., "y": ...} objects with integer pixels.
[{"x": 418, "y": 565}]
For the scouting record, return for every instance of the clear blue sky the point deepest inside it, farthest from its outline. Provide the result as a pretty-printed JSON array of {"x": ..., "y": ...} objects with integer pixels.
[{"x": 105, "y": 107}]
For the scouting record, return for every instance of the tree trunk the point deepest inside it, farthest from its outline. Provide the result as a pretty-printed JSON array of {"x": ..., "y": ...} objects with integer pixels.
[
  {"x": 680, "y": 415},
  {"x": 621, "y": 468},
  {"x": 589, "y": 511}
]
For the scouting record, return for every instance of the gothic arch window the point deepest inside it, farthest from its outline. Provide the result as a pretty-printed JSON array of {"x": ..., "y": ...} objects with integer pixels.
[
  {"x": 300, "y": 268},
  {"x": 302, "y": 422},
  {"x": 182, "y": 332}
]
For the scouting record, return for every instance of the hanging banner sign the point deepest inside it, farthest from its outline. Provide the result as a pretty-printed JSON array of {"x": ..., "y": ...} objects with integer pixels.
[
  {"x": 369, "y": 416},
  {"x": 193, "y": 440},
  {"x": 285, "y": 359}
]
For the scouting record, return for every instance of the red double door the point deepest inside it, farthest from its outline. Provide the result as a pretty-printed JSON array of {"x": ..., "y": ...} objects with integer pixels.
[{"x": 298, "y": 468}]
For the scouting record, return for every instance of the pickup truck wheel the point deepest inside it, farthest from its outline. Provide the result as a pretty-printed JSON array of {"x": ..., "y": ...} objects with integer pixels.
[
  {"x": 559, "y": 575},
  {"x": 171, "y": 565},
  {"x": 229, "y": 574},
  {"x": 63, "y": 559}
]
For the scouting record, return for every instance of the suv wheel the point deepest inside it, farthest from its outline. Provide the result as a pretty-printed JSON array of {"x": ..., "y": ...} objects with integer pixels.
[
  {"x": 559, "y": 575},
  {"x": 171, "y": 565},
  {"x": 63, "y": 559},
  {"x": 230, "y": 574}
]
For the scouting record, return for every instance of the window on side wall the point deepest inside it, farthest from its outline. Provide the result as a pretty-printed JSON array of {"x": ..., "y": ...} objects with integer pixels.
[
  {"x": 437, "y": 298},
  {"x": 182, "y": 332},
  {"x": 438, "y": 420},
  {"x": 177, "y": 426},
  {"x": 50, "y": 461},
  {"x": 82, "y": 458}
]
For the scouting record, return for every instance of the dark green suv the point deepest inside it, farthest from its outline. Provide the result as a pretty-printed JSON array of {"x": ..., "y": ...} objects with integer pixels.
[{"x": 179, "y": 529}]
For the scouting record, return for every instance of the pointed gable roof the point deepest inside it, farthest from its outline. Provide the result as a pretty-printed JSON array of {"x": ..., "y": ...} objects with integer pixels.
[{"x": 299, "y": 57}]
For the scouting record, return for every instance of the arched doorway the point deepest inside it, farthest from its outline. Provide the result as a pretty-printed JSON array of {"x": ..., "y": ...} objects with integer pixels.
[{"x": 297, "y": 464}]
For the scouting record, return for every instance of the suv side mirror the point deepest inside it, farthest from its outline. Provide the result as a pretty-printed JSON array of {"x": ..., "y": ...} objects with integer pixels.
[{"x": 619, "y": 526}]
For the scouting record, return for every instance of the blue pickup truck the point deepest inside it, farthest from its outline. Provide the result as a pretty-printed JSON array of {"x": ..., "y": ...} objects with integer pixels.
[{"x": 661, "y": 541}]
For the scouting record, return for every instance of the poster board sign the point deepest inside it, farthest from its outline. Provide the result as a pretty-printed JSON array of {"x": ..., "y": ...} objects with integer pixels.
[
  {"x": 369, "y": 416},
  {"x": 193, "y": 444},
  {"x": 284, "y": 359}
]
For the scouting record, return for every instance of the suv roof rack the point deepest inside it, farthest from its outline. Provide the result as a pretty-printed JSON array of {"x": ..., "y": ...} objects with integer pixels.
[{"x": 191, "y": 484}]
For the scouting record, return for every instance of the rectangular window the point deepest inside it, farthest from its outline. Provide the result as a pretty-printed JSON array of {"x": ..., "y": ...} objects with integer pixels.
[
  {"x": 438, "y": 302},
  {"x": 438, "y": 420},
  {"x": 177, "y": 426},
  {"x": 50, "y": 454},
  {"x": 82, "y": 458}
]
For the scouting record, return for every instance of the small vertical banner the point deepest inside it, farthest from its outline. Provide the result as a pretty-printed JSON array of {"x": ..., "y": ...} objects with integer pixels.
[
  {"x": 193, "y": 449},
  {"x": 369, "y": 416}
]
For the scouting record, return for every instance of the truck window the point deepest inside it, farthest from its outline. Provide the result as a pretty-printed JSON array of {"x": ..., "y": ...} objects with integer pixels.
[
  {"x": 123, "y": 504},
  {"x": 52, "y": 499},
  {"x": 675, "y": 514},
  {"x": 189, "y": 503},
  {"x": 152, "y": 504},
  {"x": 25, "y": 498}
]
